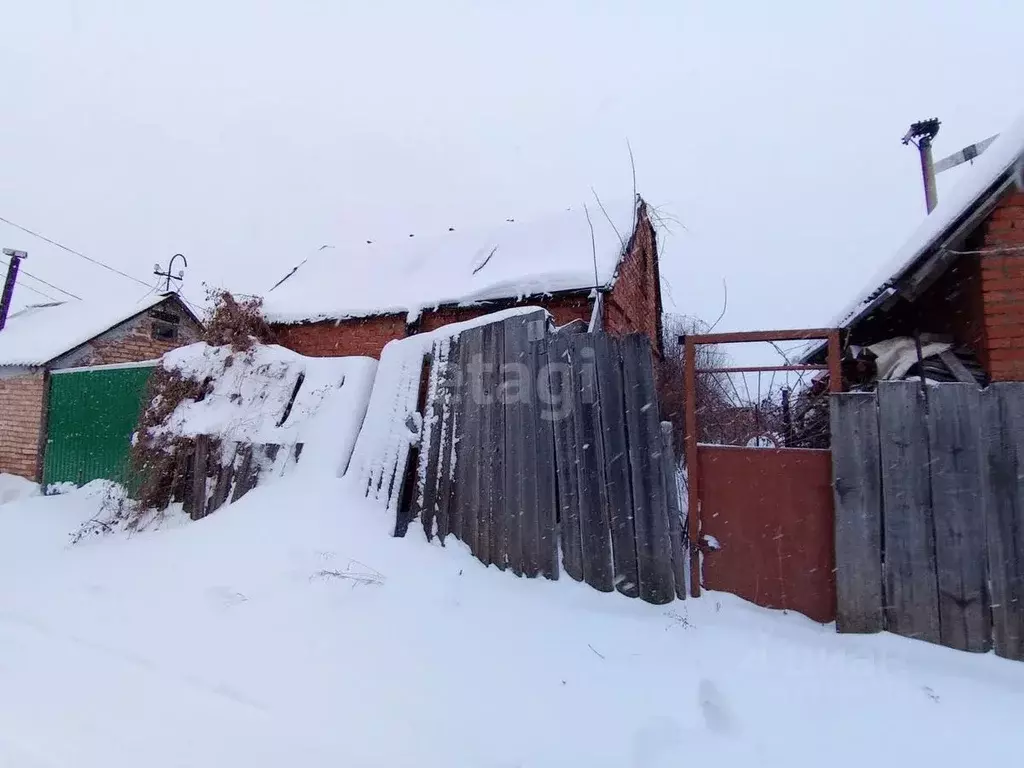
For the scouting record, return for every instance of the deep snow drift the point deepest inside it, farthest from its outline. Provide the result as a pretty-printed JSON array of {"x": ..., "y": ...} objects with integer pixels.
[{"x": 290, "y": 629}]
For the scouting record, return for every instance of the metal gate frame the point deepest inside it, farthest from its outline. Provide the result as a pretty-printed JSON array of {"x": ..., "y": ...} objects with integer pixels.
[{"x": 690, "y": 343}]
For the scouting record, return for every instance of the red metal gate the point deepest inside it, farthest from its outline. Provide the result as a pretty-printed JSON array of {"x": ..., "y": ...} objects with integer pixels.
[{"x": 762, "y": 517}]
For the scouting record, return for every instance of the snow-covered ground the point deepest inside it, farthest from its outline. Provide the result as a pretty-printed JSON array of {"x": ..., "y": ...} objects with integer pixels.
[{"x": 290, "y": 629}]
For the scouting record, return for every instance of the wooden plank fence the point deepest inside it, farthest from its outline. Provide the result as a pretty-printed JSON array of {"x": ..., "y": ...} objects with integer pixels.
[
  {"x": 211, "y": 473},
  {"x": 544, "y": 451},
  {"x": 929, "y": 497}
]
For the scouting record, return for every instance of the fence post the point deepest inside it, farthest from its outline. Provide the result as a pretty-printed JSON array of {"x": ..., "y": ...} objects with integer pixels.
[
  {"x": 675, "y": 513},
  {"x": 692, "y": 479}
]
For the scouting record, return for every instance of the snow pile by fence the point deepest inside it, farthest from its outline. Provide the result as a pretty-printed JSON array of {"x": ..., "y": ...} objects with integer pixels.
[
  {"x": 393, "y": 423},
  {"x": 270, "y": 395}
]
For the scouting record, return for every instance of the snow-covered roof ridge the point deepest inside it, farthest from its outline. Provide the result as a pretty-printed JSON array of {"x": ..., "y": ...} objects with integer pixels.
[
  {"x": 1003, "y": 157},
  {"x": 578, "y": 248},
  {"x": 38, "y": 333}
]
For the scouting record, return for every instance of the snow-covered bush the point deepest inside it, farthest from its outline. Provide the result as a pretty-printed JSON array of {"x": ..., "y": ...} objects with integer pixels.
[{"x": 155, "y": 451}]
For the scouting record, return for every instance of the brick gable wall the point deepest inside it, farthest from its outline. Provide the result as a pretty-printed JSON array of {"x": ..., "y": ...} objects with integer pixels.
[
  {"x": 131, "y": 342},
  {"x": 634, "y": 303},
  {"x": 1002, "y": 290}
]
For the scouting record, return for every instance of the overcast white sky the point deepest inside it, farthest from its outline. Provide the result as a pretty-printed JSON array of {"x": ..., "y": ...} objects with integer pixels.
[{"x": 248, "y": 134}]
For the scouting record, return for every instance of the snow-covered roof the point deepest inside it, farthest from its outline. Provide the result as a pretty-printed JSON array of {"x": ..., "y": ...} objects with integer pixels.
[
  {"x": 1001, "y": 158},
  {"x": 516, "y": 259},
  {"x": 39, "y": 333}
]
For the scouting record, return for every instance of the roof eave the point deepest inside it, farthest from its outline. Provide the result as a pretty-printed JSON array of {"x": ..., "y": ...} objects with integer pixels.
[{"x": 931, "y": 261}]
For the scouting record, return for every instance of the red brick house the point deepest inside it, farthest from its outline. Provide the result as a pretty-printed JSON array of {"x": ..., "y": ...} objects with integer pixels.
[
  {"x": 44, "y": 338},
  {"x": 354, "y": 302},
  {"x": 961, "y": 274}
]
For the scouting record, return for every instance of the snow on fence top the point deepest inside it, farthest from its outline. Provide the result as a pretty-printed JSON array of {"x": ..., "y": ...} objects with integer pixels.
[
  {"x": 38, "y": 333},
  {"x": 392, "y": 425},
  {"x": 270, "y": 394},
  {"x": 514, "y": 260},
  {"x": 1003, "y": 156}
]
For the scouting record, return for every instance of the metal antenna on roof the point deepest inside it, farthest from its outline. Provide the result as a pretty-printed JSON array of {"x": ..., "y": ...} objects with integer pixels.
[
  {"x": 169, "y": 274},
  {"x": 595, "y": 315},
  {"x": 593, "y": 248}
]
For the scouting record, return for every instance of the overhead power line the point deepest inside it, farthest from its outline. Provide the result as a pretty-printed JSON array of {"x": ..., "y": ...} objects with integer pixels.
[
  {"x": 30, "y": 288},
  {"x": 39, "y": 279},
  {"x": 41, "y": 293},
  {"x": 63, "y": 247}
]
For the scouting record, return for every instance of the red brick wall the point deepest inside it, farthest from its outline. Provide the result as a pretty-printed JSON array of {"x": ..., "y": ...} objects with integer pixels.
[
  {"x": 364, "y": 337},
  {"x": 21, "y": 413},
  {"x": 634, "y": 304},
  {"x": 1002, "y": 289},
  {"x": 564, "y": 309},
  {"x": 367, "y": 336}
]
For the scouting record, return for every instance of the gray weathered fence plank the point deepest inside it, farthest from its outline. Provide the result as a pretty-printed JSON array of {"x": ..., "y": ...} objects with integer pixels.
[
  {"x": 450, "y": 390},
  {"x": 427, "y": 481},
  {"x": 528, "y": 415},
  {"x": 491, "y": 438},
  {"x": 954, "y": 424},
  {"x": 1003, "y": 445},
  {"x": 669, "y": 468},
  {"x": 617, "y": 494},
  {"x": 469, "y": 443},
  {"x": 547, "y": 501},
  {"x": 245, "y": 477},
  {"x": 457, "y": 516},
  {"x": 595, "y": 528},
  {"x": 225, "y": 473},
  {"x": 909, "y": 574},
  {"x": 650, "y": 510},
  {"x": 857, "y": 489},
  {"x": 562, "y": 387},
  {"x": 199, "y": 458},
  {"x": 513, "y": 396}
]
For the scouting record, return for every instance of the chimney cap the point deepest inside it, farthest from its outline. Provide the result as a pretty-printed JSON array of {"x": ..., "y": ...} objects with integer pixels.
[{"x": 16, "y": 254}]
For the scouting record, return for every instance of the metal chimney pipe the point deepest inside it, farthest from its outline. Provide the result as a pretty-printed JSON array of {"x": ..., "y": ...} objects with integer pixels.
[
  {"x": 12, "y": 276},
  {"x": 931, "y": 194},
  {"x": 920, "y": 135}
]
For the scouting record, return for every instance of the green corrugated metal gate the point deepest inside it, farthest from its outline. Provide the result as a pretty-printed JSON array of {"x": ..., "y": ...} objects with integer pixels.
[{"x": 91, "y": 416}]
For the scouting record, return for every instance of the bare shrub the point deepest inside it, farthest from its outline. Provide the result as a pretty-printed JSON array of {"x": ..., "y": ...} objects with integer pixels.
[
  {"x": 359, "y": 574},
  {"x": 236, "y": 322},
  {"x": 154, "y": 454}
]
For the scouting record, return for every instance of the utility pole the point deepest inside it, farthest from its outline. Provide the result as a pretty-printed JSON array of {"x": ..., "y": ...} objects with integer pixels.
[
  {"x": 12, "y": 276},
  {"x": 921, "y": 135},
  {"x": 169, "y": 274}
]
